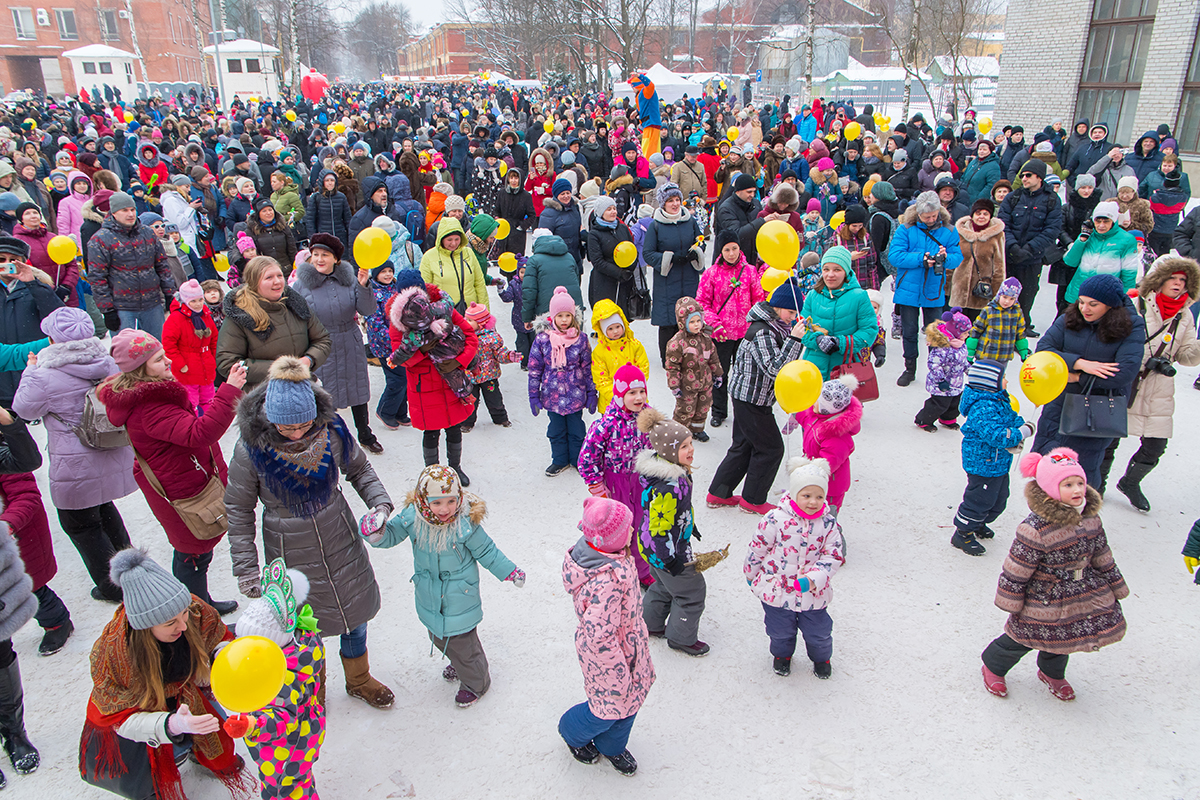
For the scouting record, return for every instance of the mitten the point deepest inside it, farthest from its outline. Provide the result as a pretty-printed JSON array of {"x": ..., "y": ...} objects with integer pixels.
[
  {"x": 63, "y": 292},
  {"x": 803, "y": 585},
  {"x": 370, "y": 527},
  {"x": 792, "y": 423},
  {"x": 943, "y": 386},
  {"x": 517, "y": 577},
  {"x": 972, "y": 344},
  {"x": 1023, "y": 348},
  {"x": 597, "y": 489},
  {"x": 827, "y": 344},
  {"x": 250, "y": 586},
  {"x": 112, "y": 321},
  {"x": 879, "y": 361},
  {"x": 237, "y": 725},
  {"x": 1191, "y": 563},
  {"x": 1026, "y": 431},
  {"x": 718, "y": 382}
]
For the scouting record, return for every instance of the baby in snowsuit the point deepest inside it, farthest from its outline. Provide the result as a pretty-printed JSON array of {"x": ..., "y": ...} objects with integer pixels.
[
  {"x": 425, "y": 318},
  {"x": 829, "y": 429}
]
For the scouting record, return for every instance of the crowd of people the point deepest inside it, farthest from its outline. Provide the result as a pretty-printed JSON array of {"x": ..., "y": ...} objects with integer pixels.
[{"x": 217, "y": 279}]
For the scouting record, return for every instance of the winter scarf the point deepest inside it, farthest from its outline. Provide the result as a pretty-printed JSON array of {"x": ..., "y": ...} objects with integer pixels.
[
  {"x": 302, "y": 475},
  {"x": 1169, "y": 307},
  {"x": 559, "y": 342}
]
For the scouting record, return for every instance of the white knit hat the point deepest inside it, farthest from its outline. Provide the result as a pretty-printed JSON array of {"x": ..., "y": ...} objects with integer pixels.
[
  {"x": 836, "y": 394},
  {"x": 274, "y": 614},
  {"x": 803, "y": 472}
]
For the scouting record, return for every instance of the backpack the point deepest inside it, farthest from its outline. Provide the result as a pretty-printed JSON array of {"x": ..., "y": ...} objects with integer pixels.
[
  {"x": 884, "y": 260},
  {"x": 414, "y": 220},
  {"x": 94, "y": 430}
]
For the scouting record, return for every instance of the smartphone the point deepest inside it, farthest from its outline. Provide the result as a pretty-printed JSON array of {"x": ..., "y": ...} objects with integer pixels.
[{"x": 8, "y": 269}]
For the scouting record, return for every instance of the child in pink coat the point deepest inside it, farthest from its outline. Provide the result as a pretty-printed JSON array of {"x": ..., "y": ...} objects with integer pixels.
[
  {"x": 829, "y": 429},
  {"x": 611, "y": 641}
]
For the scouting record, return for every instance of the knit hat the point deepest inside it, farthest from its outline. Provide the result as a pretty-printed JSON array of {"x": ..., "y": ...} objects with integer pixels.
[
  {"x": 1107, "y": 209},
  {"x": 26, "y": 206},
  {"x": 190, "y": 290},
  {"x": 627, "y": 377},
  {"x": 375, "y": 273},
  {"x": 289, "y": 398},
  {"x": 855, "y": 213},
  {"x": 386, "y": 224},
  {"x": 119, "y": 200},
  {"x": 985, "y": 375},
  {"x": 1035, "y": 166},
  {"x": 1140, "y": 235},
  {"x": 148, "y": 219},
  {"x": 1010, "y": 288},
  {"x": 152, "y": 596},
  {"x": 646, "y": 210},
  {"x": 568, "y": 159},
  {"x": 726, "y": 236},
  {"x": 666, "y": 435},
  {"x": 882, "y": 190},
  {"x": 603, "y": 203},
  {"x": 1052, "y": 469},
  {"x": 198, "y": 173},
  {"x": 743, "y": 182},
  {"x": 327, "y": 241},
  {"x": 1086, "y": 179},
  {"x": 405, "y": 278},
  {"x": 667, "y": 191},
  {"x": 836, "y": 395},
  {"x": 181, "y": 180},
  {"x": 170, "y": 227},
  {"x": 838, "y": 255},
  {"x": 875, "y": 297},
  {"x": 480, "y": 315},
  {"x": 813, "y": 204},
  {"x": 455, "y": 203},
  {"x": 1128, "y": 182},
  {"x": 244, "y": 242},
  {"x": 1105, "y": 289},
  {"x": 803, "y": 472},
  {"x": 132, "y": 347},
  {"x": 65, "y": 324},
  {"x": 984, "y": 204},
  {"x": 606, "y": 524},
  {"x": 561, "y": 302},
  {"x": 789, "y": 295},
  {"x": 954, "y": 324},
  {"x": 274, "y": 614},
  {"x": 559, "y": 186},
  {"x": 900, "y": 155}
]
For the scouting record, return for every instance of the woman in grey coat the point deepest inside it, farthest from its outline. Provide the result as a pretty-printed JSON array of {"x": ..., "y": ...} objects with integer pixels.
[
  {"x": 293, "y": 446},
  {"x": 335, "y": 294},
  {"x": 83, "y": 482}
]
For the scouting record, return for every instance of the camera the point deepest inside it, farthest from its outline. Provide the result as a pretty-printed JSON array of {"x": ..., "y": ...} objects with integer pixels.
[
  {"x": 1161, "y": 365},
  {"x": 1086, "y": 228},
  {"x": 936, "y": 262}
]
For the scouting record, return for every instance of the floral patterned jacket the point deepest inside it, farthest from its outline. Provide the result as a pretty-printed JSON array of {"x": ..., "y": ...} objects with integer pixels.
[
  {"x": 612, "y": 445},
  {"x": 789, "y": 546},
  {"x": 492, "y": 353},
  {"x": 667, "y": 527},
  {"x": 562, "y": 391}
]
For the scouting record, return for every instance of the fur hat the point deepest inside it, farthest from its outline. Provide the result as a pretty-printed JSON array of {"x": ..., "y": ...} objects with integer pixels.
[
  {"x": 984, "y": 204},
  {"x": 784, "y": 197},
  {"x": 666, "y": 435},
  {"x": 131, "y": 348},
  {"x": 327, "y": 241},
  {"x": 803, "y": 472},
  {"x": 836, "y": 395},
  {"x": 289, "y": 398},
  {"x": 667, "y": 191},
  {"x": 627, "y": 377},
  {"x": 606, "y": 524},
  {"x": 1052, "y": 469},
  {"x": 561, "y": 302},
  {"x": 152, "y": 596}
]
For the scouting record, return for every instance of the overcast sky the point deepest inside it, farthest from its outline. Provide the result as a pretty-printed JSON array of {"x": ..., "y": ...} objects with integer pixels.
[{"x": 425, "y": 13}]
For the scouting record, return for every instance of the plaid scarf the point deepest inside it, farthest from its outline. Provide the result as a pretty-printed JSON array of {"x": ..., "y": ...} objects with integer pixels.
[{"x": 303, "y": 476}]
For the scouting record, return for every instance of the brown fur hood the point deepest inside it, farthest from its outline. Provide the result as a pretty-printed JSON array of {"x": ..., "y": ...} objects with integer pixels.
[
  {"x": 617, "y": 183},
  {"x": 1058, "y": 513},
  {"x": 966, "y": 230},
  {"x": 1163, "y": 268},
  {"x": 477, "y": 505},
  {"x": 89, "y": 212},
  {"x": 909, "y": 217},
  {"x": 818, "y": 177}
]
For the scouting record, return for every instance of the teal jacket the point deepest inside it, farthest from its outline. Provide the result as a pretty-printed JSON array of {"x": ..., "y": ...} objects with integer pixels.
[
  {"x": 847, "y": 314},
  {"x": 13, "y": 356},
  {"x": 447, "y": 580}
]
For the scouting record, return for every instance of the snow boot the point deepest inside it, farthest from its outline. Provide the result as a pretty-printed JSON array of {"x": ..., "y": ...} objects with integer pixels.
[
  {"x": 360, "y": 684},
  {"x": 712, "y": 501},
  {"x": 783, "y": 666},
  {"x": 928, "y": 428},
  {"x": 625, "y": 763},
  {"x": 910, "y": 372},
  {"x": 822, "y": 670},
  {"x": 588, "y": 754},
  {"x": 450, "y": 674},
  {"x": 700, "y": 435},
  {"x": 556, "y": 469},
  {"x": 430, "y": 454},
  {"x": 1058, "y": 687},
  {"x": 985, "y": 532},
  {"x": 21, "y": 752},
  {"x": 965, "y": 541},
  {"x": 454, "y": 456},
  {"x": 994, "y": 683},
  {"x": 698, "y": 649},
  {"x": 54, "y": 639},
  {"x": 1131, "y": 484},
  {"x": 465, "y": 698}
]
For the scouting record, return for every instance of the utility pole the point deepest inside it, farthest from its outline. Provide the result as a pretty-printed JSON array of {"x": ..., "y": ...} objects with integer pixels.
[
  {"x": 218, "y": 35},
  {"x": 910, "y": 57},
  {"x": 137, "y": 50}
]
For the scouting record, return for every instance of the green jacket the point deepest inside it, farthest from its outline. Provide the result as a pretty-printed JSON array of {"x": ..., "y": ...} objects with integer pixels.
[
  {"x": 288, "y": 204},
  {"x": 457, "y": 274},
  {"x": 1112, "y": 253},
  {"x": 847, "y": 315}
]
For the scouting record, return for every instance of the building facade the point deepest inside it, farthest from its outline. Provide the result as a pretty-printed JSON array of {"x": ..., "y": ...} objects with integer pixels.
[
  {"x": 1131, "y": 64},
  {"x": 33, "y": 39}
]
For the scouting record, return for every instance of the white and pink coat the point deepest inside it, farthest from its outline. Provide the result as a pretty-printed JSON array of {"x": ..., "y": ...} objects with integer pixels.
[{"x": 789, "y": 546}]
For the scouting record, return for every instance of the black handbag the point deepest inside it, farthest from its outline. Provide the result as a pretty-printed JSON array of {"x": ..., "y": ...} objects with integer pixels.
[
  {"x": 1092, "y": 416},
  {"x": 639, "y": 298}
]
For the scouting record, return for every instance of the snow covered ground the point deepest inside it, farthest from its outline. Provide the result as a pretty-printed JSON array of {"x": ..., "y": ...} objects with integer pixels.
[{"x": 905, "y": 714}]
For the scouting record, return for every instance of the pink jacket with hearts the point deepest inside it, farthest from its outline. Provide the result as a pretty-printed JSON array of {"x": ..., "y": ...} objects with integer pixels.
[{"x": 788, "y": 546}]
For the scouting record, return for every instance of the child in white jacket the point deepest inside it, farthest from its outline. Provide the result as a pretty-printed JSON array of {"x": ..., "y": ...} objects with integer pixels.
[{"x": 790, "y": 563}]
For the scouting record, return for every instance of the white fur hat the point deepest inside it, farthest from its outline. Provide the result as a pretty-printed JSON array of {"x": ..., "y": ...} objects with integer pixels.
[
  {"x": 262, "y": 616},
  {"x": 803, "y": 472}
]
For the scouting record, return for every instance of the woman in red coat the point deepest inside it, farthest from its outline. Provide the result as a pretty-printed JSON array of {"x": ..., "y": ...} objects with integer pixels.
[
  {"x": 180, "y": 448},
  {"x": 31, "y": 230},
  {"x": 432, "y": 405},
  {"x": 190, "y": 339},
  {"x": 26, "y": 518}
]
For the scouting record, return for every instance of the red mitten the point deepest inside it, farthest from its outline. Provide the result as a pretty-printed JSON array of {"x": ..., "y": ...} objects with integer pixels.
[{"x": 237, "y": 725}]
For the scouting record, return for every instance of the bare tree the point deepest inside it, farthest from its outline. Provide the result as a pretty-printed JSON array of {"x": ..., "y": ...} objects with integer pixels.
[{"x": 376, "y": 35}]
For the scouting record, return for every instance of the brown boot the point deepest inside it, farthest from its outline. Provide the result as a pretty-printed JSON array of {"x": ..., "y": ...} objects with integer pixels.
[
  {"x": 322, "y": 677},
  {"x": 360, "y": 684}
]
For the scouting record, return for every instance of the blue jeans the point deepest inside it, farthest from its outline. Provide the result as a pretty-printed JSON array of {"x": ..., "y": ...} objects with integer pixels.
[
  {"x": 579, "y": 725},
  {"x": 206, "y": 271},
  {"x": 815, "y": 625},
  {"x": 393, "y": 403},
  {"x": 566, "y": 437},
  {"x": 149, "y": 320},
  {"x": 354, "y": 643}
]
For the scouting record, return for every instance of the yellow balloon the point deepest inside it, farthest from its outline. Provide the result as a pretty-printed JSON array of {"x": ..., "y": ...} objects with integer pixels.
[
  {"x": 778, "y": 244},
  {"x": 1043, "y": 377},
  {"x": 465, "y": 112},
  {"x": 772, "y": 279},
  {"x": 502, "y": 229},
  {"x": 733, "y": 133},
  {"x": 339, "y": 127},
  {"x": 985, "y": 124},
  {"x": 508, "y": 262},
  {"x": 503, "y": 168},
  {"x": 248, "y": 673},
  {"x": 625, "y": 254},
  {"x": 548, "y": 126},
  {"x": 221, "y": 263},
  {"x": 62, "y": 249},
  {"x": 1016, "y": 405},
  {"x": 128, "y": 117},
  {"x": 291, "y": 115},
  {"x": 798, "y": 385},
  {"x": 852, "y": 130},
  {"x": 371, "y": 248},
  {"x": 837, "y": 219}
]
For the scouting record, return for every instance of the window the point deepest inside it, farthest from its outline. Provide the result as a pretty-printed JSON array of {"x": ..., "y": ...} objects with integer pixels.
[
  {"x": 234, "y": 65},
  {"x": 252, "y": 65},
  {"x": 108, "y": 25},
  {"x": 128, "y": 73},
  {"x": 23, "y": 22},
  {"x": 89, "y": 68},
  {"x": 1114, "y": 61},
  {"x": 1187, "y": 127},
  {"x": 66, "y": 24},
  {"x": 106, "y": 68}
]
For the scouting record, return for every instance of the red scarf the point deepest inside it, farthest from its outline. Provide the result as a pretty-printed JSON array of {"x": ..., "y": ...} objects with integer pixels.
[{"x": 1169, "y": 307}]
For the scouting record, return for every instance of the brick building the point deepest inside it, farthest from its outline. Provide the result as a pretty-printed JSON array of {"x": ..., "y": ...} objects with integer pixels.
[
  {"x": 33, "y": 38},
  {"x": 1132, "y": 64}
]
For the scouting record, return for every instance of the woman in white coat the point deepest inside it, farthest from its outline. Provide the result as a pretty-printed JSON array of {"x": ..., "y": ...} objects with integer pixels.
[{"x": 177, "y": 207}]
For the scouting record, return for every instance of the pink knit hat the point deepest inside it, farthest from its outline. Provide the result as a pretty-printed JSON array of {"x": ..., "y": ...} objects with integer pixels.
[
  {"x": 244, "y": 242},
  {"x": 626, "y": 378},
  {"x": 131, "y": 348},
  {"x": 480, "y": 315},
  {"x": 1052, "y": 469},
  {"x": 190, "y": 290},
  {"x": 561, "y": 302},
  {"x": 605, "y": 524}
]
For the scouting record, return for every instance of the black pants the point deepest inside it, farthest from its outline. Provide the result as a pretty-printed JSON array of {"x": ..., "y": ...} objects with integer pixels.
[
  {"x": 362, "y": 421},
  {"x": 1149, "y": 454},
  {"x": 665, "y": 332},
  {"x": 7, "y": 654},
  {"x": 983, "y": 502},
  {"x": 1004, "y": 653},
  {"x": 755, "y": 454},
  {"x": 910, "y": 326},
  {"x": 938, "y": 407},
  {"x": 725, "y": 353},
  {"x": 192, "y": 571},
  {"x": 51, "y": 611},
  {"x": 1029, "y": 275},
  {"x": 494, "y": 401},
  {"x": 524, "y": 343},
  {"x": 429, "y": 444},
  {"x": 98, "y": 533}
]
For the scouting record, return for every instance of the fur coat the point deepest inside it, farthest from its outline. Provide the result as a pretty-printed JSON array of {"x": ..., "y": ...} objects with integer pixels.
[{"x": 982, "y": 259}]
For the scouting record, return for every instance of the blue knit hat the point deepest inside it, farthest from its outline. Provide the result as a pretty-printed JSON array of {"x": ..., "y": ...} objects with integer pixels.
[
  {"x": 985, "y": 375},
  {"x": 290, "y": 399},
  {"x": 788, "y": 295},
  {"x": 408, "y": 278},
  {"x": 1105, "y": 289},
  {"x": 560, "y": 185}
]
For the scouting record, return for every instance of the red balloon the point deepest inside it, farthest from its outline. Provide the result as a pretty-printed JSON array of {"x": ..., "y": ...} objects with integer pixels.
[{"x": 313, "y": 85}]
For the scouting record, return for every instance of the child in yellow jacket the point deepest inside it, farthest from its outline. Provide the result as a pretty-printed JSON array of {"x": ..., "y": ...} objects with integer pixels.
[{"x": 615, "y": 347}]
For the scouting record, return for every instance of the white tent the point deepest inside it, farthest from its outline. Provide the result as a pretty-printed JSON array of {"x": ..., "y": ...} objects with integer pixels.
[{"x": 671, "y": 86}]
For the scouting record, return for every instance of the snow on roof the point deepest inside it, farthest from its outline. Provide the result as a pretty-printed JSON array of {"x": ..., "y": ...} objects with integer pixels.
[
  {"x": 98, "y": 51},
  {"x": 968, "y": 66},
  {"x": 857, "y": 72},
  {"x": 244, "y": 46}
]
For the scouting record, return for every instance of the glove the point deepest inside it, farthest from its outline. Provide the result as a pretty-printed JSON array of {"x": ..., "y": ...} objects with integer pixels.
[
  {"x": 63, "y": 292},
  {"x": 943, "y": 386},
  {"x": 1026, "y": 431},
  {"x": 112, "y": 320},
  {"x": 517, "y": 577},
  {"x": 597, "y": 490},
  {"x": 370, "y": 527},
  {"x": 879, "y": 361},
  {"x": 827, "y": 344},
  {"x": 1192, "y": 562},
  {"x": 183, "y": 721},
  {"x": 803, "y": 585},
  {"x": 237, "y": 725},
  {"x": 250, "y": 586},
  {"x": 718, "y": 381},
  {"x": 972, "y": 344}
]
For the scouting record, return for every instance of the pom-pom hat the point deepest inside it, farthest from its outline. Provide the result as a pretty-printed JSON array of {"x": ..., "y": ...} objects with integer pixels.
[
  {"x": 289, "y": 398},
  {"x": 803, "y": 472},
  {"x": 1050, "y": 470},
  {"x": 606, "y": 524},
  {"x": 152, "y": 596}
]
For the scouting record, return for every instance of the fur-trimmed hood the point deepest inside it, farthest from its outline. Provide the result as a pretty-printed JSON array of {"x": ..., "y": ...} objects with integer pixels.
[
  {"x": 311, "y": 278},
  {"x": 292, "y": 300},
  {"x": 966, "y": 230},
  {"x": 88, "y": 212},
  {"x": 934, "y": 336},
  {"x": 120, "y": 405},
  {"x": 910, "y": 217},
  {"x": 89, "y": 354},
  {"x": 652, "y": 465},
  {"x": 1166, "y": 266},
  {"x": 552, "y": 202},
  {"x": 257, "y": 432},
  {"x": 1058, "y": 513},
  {"x": 616, "y": 183}
]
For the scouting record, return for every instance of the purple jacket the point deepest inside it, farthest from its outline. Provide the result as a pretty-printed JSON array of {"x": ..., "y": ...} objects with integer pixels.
[
  {"x": 612, "y": 445},
  {"x": 378, "y": 338},
  {"x": 511, "y": 293},
  {"x": 948, "y": 364},
  {"x": 561, "y": 391}
]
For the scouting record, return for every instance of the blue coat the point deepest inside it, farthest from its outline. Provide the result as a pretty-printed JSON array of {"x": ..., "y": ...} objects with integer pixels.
[
  {"x": 1144, "y": 165},
  {"x": 447, "y": 581},
  {"x": 990, "y": 428},
  {"x": 917, "y": 284},
  {"x": 682, "y": 277},
  {"x": 806, "y": 128}
]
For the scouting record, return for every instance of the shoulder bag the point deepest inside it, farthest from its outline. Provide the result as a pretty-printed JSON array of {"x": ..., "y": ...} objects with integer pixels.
[
  {"x": 204, "y": 513},
  {"x": 860, "y": 367},
  {"x": 1092, "y": 416}
]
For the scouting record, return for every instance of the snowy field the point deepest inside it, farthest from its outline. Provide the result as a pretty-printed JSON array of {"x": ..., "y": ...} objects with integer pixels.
[{"x": 904, "y": 716}]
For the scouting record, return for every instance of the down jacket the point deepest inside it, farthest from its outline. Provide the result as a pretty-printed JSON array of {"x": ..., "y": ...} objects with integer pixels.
[
  {"x": 294, "y": 331},
  {"x": 609, "y": 281},
  {"x": 982, "y": 260},
  {"x": 609, "y": 355},
  {"x": 916, "y": 283},
  {"x": 446, "y": 561},
  {"x": 1111, "y": 253},
  {"x": 335, "y": 299},
  {"x": 326, "y": 546},
  {"x": 789, "y": 546},
  {"x": 727, "y": 293},
  {"x": 80, "y": 477},
  {"x": 22, "y": 510},
  {"x": 432, "y": 404},
  {"x": 127, "y": 267},
  {"x": 990, "y": 428},
  {"x": 611, "y": 641},
  {"x": 24, "y": 306},
  {"x": 561, "y": 390},
  {"x": 17, "y": 603},
  {"x": 549, "y": 267},
  {"x": 846, "y": 314},
  {"x": 458, "y": 273},
  {"x": 691, "y": 361},
  {"x": 671, "y": 251},
  {"x": 832, "y": 438},
  {"x": 565, "y": 222},
  {"x": 328, "y": 212},
  {"x": 193, "y": 358}
]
